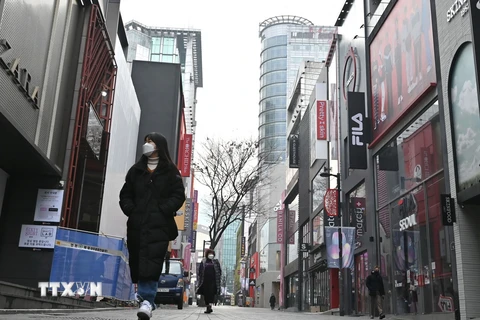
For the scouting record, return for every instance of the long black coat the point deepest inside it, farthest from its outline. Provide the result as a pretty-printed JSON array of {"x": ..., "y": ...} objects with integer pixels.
[
  {"x": 150, "y": 200},
  {"x": 374, "y": 284}
]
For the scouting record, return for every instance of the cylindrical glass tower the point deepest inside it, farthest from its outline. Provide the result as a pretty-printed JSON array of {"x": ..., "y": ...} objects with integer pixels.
[{"x": 273, "y": 86}]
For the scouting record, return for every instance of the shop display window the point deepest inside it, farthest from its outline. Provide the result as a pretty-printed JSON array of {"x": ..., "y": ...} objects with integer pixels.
[{"x": 416, "y": 257}]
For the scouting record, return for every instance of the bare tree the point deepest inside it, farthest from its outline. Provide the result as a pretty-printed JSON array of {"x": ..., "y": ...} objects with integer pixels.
[{"x": 231, "y": 170}]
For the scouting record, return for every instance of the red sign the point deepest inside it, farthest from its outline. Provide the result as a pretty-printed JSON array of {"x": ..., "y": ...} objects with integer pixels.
[
  {"x": 186, "y": 155},
  {"x": 280, "y": 226},
  {"x": 330, "y": 202},
  {"x": 397, "y": 81},
  {"x": 291, "y": 226},
  {"x": 322, "y": 120}
]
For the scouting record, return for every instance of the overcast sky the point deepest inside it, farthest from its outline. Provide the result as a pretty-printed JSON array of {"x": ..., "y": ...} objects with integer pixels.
[{"x": 228, "y": 102}]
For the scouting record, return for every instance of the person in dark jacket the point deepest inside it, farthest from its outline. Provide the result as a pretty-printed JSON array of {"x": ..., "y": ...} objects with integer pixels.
[
  {"x": 209, "y": 275},
  {"x": 376, "y": 291},
  {"x": 152, "y": 194},
  {"x": 273, "y": 300}
]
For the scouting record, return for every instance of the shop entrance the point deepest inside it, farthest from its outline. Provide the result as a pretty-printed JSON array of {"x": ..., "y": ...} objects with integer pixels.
[{"x": 361, "y": 274}]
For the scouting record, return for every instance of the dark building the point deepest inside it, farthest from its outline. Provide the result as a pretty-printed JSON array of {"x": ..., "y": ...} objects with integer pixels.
[{"x": 57, "y": 92}]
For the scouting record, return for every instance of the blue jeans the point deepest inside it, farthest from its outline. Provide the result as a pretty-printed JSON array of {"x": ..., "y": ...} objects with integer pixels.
[{"x": 147, "y": 290}]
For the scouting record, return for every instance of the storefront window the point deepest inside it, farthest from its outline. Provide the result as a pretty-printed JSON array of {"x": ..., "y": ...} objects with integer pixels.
[
  {"x": 416, "y": 259},
  {"x": 292, "y": 231},
  {"x": 317, "y": 229},
  {"x": 319, "y": 188},
  {"x": 321, "y": 290}
]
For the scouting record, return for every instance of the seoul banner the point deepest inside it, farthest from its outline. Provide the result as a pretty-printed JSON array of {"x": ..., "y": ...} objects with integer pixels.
[{"x": 332, "y": 242}]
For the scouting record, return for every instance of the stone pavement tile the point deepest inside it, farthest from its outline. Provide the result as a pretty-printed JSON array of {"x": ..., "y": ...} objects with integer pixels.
[{"x": 189, "y": 313}]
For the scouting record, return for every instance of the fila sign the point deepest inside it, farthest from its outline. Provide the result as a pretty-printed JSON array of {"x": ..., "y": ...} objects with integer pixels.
[{"x": 358, "y": 132}]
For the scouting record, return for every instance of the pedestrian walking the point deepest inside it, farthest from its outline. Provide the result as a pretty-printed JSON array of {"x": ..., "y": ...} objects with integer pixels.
[
  {"x": 209, "y": 275},
  {"x": 273, "y": 300},
  {"x": 376, "y": 291},
  {"x": 152, "y": 194}
]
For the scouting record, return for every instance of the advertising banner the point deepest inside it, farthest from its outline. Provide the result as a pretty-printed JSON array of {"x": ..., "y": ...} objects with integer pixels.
[
  {"x": 402, "y": 63},
  {"x": 333, "y": 248},
  {"x": 186, "y": 155},
  {"x": 358, "y": 133}
]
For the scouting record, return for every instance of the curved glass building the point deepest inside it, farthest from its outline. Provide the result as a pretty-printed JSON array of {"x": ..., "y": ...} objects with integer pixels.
[{"x": 274, "y": 76}]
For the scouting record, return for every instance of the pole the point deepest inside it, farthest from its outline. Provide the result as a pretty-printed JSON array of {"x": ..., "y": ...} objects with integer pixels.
[{"x": 340, "y": 251}]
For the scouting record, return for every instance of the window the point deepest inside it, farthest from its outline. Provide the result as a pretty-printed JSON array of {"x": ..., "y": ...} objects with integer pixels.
[
  {"x": 168, "y": 45},
  {"x": 143, "y": 53},
  {"x": 155, "y": 45},
  {"x": 166, "y": 58},
  {"x": 319, "y": 188},
  {"x": 317, "y": 229}
]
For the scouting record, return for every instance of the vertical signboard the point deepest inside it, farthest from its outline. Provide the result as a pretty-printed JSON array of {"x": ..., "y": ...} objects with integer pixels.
[
  {"x": 280, "y": 226},
  {"x": 194, "y": 241},
  {"x": 187, "y": 217},
  {"x": 358, "y": 216},
  {"x": 322, "y": 120},
  {"x": 186, "y": 155},
  {"x": 294, "y": 145},
  {"x": 448, "y": 210},
  {"x": 242, "y": 249},
  {"x": 357, "y": 131},
  {"x": 291, "y": 226}
]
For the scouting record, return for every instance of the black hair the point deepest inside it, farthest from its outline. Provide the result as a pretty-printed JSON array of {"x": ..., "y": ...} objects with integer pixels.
[{"x": 162, "y": 146}]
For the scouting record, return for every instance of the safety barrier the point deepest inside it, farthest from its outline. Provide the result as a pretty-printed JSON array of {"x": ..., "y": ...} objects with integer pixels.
[{"x": 82, "y": 257}]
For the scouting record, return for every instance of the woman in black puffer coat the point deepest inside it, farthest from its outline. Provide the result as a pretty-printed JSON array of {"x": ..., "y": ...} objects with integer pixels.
[{"x": 152, "y": 194}]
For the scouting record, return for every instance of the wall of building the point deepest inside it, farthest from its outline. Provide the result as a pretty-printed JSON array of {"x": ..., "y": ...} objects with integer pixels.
[
  {"x": 451, "y": 37},
  {"x": 122, "y": 152},
  {"x": 158, "y": 87}
]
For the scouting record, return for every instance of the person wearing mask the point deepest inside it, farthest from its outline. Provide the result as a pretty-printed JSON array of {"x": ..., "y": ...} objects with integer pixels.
[
  {"x": 209, "y": 275},
  {"x": 152, "y": 194},
  {"x": 273, "y": 300},
  {"x": 376, "y": 291}
]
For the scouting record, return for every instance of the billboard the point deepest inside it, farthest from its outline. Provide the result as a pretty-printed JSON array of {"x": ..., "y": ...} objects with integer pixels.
[{"x": 402, "y": 63}]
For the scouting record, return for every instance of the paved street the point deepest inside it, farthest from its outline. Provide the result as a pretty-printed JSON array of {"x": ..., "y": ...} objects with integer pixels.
[{"x": 190, "y": 313}]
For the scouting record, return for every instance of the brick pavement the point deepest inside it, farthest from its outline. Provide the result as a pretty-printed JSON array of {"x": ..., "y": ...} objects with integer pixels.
[{"x": 170, "y": 313}]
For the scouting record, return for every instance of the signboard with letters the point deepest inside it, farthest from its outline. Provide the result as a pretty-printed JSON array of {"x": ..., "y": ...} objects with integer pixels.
[
  {"x": 186, "y": 155},
  {"x": 294, "y": 146},
  {"x": 358, "y": 133},
  {"x": 49, "y": 205},
  {"x": 37, "y": 236},
  {"x": 448, "y": 210}
]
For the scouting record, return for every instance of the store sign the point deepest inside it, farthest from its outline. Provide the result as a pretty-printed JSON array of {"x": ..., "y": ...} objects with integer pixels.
[
  {"x": 186, "y": 155},
  {"x": 408, "y": 222},
  {"x": 20, "y": 76},
  {"x": 448, "y": 210},
  {"x": 305, "y": 247},
  {"x": 294, "y": 159},
  {"x": 322, "y": 120},
  {"x": 350, "y": 73},
  {"x": 458, "y": 6},
  {"x": 194, "y": 242},
  {"x": 49, "y": 205},
  {"x": 291, "y": 226},
  {"x": 359, "y": 216},
  {"x": 280, "y": 226},
  {"x": 188, "y": 216},
  {"x": 242, "y": 251},
  {"x": 37, "y": 236},
  {"x": 357, "y": 130}
]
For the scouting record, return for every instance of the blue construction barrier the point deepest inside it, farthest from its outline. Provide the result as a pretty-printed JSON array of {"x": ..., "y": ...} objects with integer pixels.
[{"x": 82, "y": 257}]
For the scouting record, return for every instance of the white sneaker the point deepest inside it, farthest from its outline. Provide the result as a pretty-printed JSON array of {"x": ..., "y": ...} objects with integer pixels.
[{"x": 145, "y": 311}]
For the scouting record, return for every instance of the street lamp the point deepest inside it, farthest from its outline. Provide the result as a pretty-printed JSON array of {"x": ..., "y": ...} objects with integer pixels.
[{"x": 340, "y": 237}]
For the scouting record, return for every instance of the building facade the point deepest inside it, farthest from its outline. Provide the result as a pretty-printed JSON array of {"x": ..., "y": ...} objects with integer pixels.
[{"x": 57, "y": 109}]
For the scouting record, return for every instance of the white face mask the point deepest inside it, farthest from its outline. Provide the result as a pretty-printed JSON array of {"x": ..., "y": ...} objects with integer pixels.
[
  {"x": 148, "y": 148},
  {"x": 211, "y": 256}
]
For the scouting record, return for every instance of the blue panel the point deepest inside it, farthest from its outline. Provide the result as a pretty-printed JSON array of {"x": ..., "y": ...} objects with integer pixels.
[{"x": 83, "y": 257}]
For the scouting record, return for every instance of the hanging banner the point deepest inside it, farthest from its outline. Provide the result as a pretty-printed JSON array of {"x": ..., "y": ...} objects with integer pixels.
[
  {"x": 333, "y": 248},
  {"x": 358, "y": 136},
  {"x": 294, "y": 146}
]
